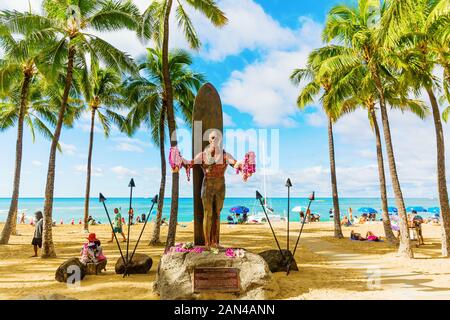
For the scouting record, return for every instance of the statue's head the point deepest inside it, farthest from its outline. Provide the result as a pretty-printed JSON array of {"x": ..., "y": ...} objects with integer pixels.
[{"x": 215, "y": 138}]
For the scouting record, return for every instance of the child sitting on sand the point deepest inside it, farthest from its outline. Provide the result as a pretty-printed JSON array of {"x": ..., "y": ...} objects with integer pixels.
[
  {"x": 346, "y": 222},
  {"x": 92, "y": 251},
  {"x": 37, "y": 237}
]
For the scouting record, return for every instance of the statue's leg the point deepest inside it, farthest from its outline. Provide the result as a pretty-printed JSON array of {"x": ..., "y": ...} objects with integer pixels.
[
  {"x": 218, "y": 205},
  {"x": 207, "y": 200}
]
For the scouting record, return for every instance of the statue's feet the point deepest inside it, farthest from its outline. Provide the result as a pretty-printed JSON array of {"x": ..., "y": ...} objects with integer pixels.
[{"x": 217, "y": 246}]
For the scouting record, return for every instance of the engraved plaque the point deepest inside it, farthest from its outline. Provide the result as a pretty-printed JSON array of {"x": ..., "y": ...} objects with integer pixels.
[{"x": 216, "y": 280}]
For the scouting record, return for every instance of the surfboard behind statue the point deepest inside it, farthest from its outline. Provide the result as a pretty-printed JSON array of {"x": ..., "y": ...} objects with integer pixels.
[{"x": 207, "y": 115}]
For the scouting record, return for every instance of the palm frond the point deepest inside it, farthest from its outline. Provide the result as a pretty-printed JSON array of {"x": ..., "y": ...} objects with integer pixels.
[
  {"x": 211, "y": 10},
  {"x": 115, "y": 15},
  {"x": 185, "y": 23}
]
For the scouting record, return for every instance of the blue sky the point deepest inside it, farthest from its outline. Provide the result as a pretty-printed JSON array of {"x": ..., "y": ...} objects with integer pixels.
[{"x": 249, "y": 61}]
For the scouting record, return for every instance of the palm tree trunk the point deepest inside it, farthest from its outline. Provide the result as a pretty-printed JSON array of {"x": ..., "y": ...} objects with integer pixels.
[
  {"x": 48, "y": 249},
  {"x": 162, "y": 186},
  {"x": 337, "y": 214},
  {"x": 442, "y": 181},
  {"x": 14, "y": 225},
  {"x": 88, "y": 173},
  {"x": 404, "y": 249},
  {"x": 168, "y": 100},
  {"x": 384, "y": 203},
  {"x": 11, "y": 220}
]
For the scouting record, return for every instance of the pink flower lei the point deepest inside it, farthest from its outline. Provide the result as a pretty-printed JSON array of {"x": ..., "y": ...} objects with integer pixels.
[
  {"x": 176, "y": 162},
  {"x": 248, "y": 167}
]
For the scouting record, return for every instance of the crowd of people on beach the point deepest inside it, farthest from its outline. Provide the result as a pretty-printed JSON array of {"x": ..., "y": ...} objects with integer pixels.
[
  {"x": 91, "y": 221},
  {"x": 415, "y": 222}
]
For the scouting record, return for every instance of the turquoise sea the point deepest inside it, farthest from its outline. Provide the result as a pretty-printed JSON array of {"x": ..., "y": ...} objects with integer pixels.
[{"x": 68, "y": 208}]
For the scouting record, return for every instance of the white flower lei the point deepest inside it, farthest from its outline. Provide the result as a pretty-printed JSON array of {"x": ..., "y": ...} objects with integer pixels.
[{"x": 210, "y": 160}]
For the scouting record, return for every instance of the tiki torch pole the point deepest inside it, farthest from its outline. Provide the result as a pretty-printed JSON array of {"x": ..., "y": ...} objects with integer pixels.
[
  {"x": 102, "y": 199},
  {"x": 154, "y": 201},
  {"x": 131, "y": 185},
  {"x": 259, "y": 197},
  {"x": 288, "y": 185},
  {"x": 311, "y": 199}
]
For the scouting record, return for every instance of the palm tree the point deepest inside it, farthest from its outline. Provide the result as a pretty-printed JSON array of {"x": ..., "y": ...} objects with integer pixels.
[
  {"x": 145, "y": 94},
  {"x": 355, "y": 89},
  {"x": 41, "y": 109},
  {"x": 156, "y": 21},
  {"x": 72, "y": 25},
  {"x": 101, "y": 92},
  {"x": 12, "y": 112},
  {"x": 18, "y": 68},
  {"x": 357, "y": 28},
  {"x": 418, "y": 50},
  {"x": 322, "y": 85}
]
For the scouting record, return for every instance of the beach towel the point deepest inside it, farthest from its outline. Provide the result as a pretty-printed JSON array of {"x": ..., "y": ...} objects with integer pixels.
[{"x": 366, "y": 240}]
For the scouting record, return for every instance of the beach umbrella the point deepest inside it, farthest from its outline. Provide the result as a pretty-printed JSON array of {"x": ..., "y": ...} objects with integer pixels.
[
  {"x": 392, "y": 210},
  {"x": 239, "y": 210},
  {"x": 367, "y": 210},
  {"x": 298, "y": 209},
  {"x": 434, "y": 210},
  {"x": 416, "y": 209}
]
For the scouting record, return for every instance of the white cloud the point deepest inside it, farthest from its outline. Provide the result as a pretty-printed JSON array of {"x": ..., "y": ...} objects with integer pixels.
[
  {"x": 21, "y": 5},
  {"x": 126, "y": 147},
  {"x": 68, "y": 149},
  {"x": 249, "y": 27},
  {"x": 123, "y": 172},
  {"x": 127, "y": 144},
  {"x": 228, "y": 121},
  {"x": 95, "y": 172},
  {"x": 316, "y": 119},
  {"x": 263, "y": 89}
]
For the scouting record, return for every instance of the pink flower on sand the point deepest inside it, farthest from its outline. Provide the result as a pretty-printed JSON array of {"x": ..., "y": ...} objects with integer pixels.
[{"x": 230, "y": 253}]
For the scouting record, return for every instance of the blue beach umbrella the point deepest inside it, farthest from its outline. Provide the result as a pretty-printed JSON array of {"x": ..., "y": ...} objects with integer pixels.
[
  {"x": 434, "y": 210},
  {"x": 239, "y": 210},
  {"x": 416, "y": 209},
  {"x": 392, "y": 210},
  {"x": 367, "y": 210}
]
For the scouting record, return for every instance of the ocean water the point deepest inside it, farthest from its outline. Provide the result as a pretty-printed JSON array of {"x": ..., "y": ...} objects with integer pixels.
[{"x": 73, "y": 208}]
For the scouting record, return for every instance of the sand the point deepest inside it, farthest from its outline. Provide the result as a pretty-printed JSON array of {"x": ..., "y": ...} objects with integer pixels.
[{"x": 329, "y": 268}]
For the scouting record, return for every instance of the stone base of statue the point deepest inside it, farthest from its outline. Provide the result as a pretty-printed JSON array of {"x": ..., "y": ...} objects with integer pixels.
[{"x": 198, "y": 275}]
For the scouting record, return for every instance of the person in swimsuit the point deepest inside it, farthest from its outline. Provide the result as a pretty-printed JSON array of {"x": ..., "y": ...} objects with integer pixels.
[{"x": 214, "y": 162}]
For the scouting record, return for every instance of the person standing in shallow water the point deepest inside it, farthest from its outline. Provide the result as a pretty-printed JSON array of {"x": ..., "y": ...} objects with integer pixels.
[{"x": 37, "y": 237}]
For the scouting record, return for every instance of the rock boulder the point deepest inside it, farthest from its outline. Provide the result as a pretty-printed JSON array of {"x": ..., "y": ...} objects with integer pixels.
[
  {"x": 70, "y": 268},
  {"x": 141, "y": 264},
  {"x": 276, "y": 262},
  {"x": 175, "y": 275},
  {"x": 96, "y": 268}
]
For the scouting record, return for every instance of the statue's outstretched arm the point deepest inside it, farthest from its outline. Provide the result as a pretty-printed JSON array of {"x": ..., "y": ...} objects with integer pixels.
[
  {"x": 231, "y": 161},
  {"x": 177, "y": 161}
]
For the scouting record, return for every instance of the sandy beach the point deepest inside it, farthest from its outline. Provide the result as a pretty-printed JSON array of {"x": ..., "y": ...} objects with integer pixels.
[{"x": 329, "y": 268}]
